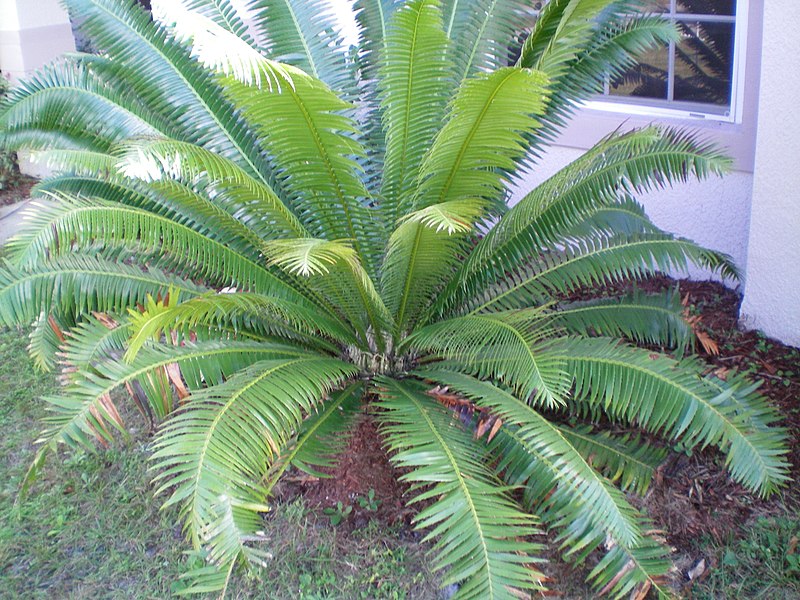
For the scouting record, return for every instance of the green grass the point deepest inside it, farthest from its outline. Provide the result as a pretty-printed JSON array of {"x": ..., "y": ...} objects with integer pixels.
[
  {"x": 92, "y": 530},
  {"x": 765, "y": 563}
]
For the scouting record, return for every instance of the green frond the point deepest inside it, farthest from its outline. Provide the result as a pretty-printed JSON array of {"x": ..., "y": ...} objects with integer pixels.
[
  {"x": 265, "y": 315},
  {"x": 504, "y": 346},
  {"x": 72, "y": 224},
  {"x": 597, "y": 262},
  {"x": 415, "y": 84},
  {"x": 303, "y": 33},
  {"x": 44, "y": 342},
  {"x": 373, "y": 18},
  {"x": 623, "y": 458},
  {"x": 322, "y": 436},
  {"x": 483, "y": 135},
  {"x": 220, "y": 49},
  {"x": 309, "y": 137},
  {"x": 546, "y": 461},
  {"x": 563, "y": 28},
  {"x": 560, "y": 482},
  {"x": 81, "y": 412},
  {"x": 78, "y": 285},
  {"x": 97, "y": 337},
  {"x": 617, "y": 167},
  {"x": 418, "y": 258},
  {"x": 455, "y": 216},
  {"x": 224, "y": 13},
  {"x": 655, "y": 319},
  {"x": 69, "y": 99},
  {"x": 173, "y": 85},
  {"x": 481, "y": 32},
  {"x": 480, "y": 532},
  {"x": 214, "y": 450},
  {"x": 253, "y": 202},
  {"x": 663, "y": 395},
  {"x": 334, "y": 270}
]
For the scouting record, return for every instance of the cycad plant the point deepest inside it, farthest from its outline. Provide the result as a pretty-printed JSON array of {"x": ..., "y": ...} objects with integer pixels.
[{"x": 259, "y": 232}]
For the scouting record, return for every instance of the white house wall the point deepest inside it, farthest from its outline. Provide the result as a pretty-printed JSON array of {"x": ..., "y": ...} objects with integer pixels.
[{"x": 773, "y": 268}]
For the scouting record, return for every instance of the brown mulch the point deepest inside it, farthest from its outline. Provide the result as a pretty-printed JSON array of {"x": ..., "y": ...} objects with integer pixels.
[
  {"x": 18, "y": 191},
  {"x": 692, "y": 496},
  {"x": 363, "y": 466}
]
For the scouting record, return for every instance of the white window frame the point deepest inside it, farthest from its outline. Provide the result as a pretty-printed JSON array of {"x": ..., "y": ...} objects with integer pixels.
[{"x": 646, "y": 107}]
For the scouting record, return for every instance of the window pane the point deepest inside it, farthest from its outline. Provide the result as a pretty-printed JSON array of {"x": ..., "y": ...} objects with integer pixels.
[
  {"x": 648, "y": 79},
  {"x": 707, "y": 7},
  {"x": 704, "y": 63}
]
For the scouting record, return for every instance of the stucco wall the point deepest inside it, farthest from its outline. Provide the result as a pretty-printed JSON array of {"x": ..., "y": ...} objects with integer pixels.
[
  {"x": 773, "y": 269},
  {"x": 32, "y": 33}
]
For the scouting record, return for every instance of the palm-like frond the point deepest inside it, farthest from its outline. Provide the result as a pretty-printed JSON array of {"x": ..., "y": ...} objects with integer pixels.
[
  {"x": 215, "y": 450},
  {"x": 499, "y": 345},
  {"x": 655, "y": 319},
  {"x": 480, "y": 530},
  {"x": 302, "y": 33},
  {"x": 252, "y": 229},
  {"x": 322, "y": 436},
  {"x": 483, "y": 135},
  {"x": 618, "y": 166},
  {"x": 81, "y": 284},
  {"x": 668, "y": 396},
  {"x": 415, "y": 85},
  {"x": 562, "y": 486},
  {"x": 304, "y": 129}
]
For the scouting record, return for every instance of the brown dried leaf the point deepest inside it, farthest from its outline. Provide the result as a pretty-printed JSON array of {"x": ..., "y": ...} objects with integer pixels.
[
  {"x": 174, "y": 374},
  {"x": 640, "y": 592},
  {"x": 495, "y": 428}
]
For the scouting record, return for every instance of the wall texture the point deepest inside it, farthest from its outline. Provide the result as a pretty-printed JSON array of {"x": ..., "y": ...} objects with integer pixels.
[
  {"x": 32, "y": 33},
  {"x": 771, "y": 300}
]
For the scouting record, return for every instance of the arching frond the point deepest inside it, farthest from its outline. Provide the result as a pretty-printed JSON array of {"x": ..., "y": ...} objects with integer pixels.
[
  {"x": 213, "y": 452},
  {"x": 591, "y": 263},
  {"x": 305, "y": 129},
  {"x": 483, "y": 134},
  {"x": 173, "y": 84},
  {"x": 252, "y": 201},
  {"x": 655, "y": 319},
  {"x": 472, "y": 517},
  {"x": 70, "y": 99},
  {"x": 499, "y": 345},
  {"x": 481, "y": 32},
  {"x": 218, "y": 48},
  {"x": 550, "y": 450},
  {"x": 664, "y": 395},
  {"x": 59, "y": 229},
  {"x": 561, "y": 485},
  {"x": 265, "y": 315},
  {"x": 334, "y": 269},
  {"x": 80, "y": 284},
  {"x": 322, "y": 436},
  {"x": 303, "y": 33},
  {"x": 621, "y": 165}
]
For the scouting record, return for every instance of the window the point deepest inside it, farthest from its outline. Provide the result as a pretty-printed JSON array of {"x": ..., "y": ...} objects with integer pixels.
[{"x": 699, "y": 76}]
